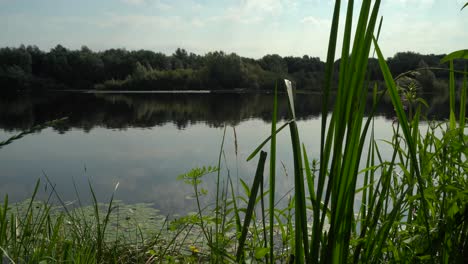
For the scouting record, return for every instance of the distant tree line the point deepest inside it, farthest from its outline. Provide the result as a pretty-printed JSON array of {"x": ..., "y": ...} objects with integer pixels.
[{"x": 60, "y": 68}]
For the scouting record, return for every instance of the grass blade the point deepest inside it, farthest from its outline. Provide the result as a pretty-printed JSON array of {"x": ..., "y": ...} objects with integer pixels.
[
  {"x": 250, "y": 206},
  {"x": 459, "y": 54},
  {"x": 3, "y": 221},
  {"x": 301, "y": 237},
  {"x": 273, "y": 170},
  {"x": 453, "y": 120},
  {"x": 463, "y": 104},
  {"x": 217, "y": 191},
  {"x": 31, "y": 131},
  {"x": 254, "y": 153}
]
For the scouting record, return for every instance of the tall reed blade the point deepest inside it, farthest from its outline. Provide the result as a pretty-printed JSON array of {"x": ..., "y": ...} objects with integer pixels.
[
  {"x": 325, "y": 140},
  {"x": 255, "y": 152},
  {"x": 463, "y": 104},
  {"x": 459, "y": 54},
  {"x": 218, "y": 177},
  {"x": 348, "y": 117},
  {"x": 273, "y": 172},
  {"x": 3, "y": 221},
  {"x": 250, "y": 206},
  {"x": 453, "y": 120},
  {"x": 301, "y": 234}
]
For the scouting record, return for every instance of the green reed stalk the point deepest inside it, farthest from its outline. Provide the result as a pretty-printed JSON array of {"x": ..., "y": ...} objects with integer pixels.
[
  {"x": 325, "y": 141},
  {"x": 462, "y": 117},
  {"x": 273, "y": 171},
  {"x": 3, "y": 222},
  {"x": 251, "y": 205},
  {"x": 301, "y": 234},
  {"x": 452, "y": 96},
  {"x": 101, "y": 226},
  {"x": 345, "y": 133},
  {"x": 341, "y": 146},
  {"x": 255, "y": 152},
  {"x": 217, "y": 191},
  {"x": 319, "y": 217}
]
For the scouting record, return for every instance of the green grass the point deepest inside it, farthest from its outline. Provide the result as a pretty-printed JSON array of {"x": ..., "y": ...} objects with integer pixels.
[{"x": 413, "y": 206}]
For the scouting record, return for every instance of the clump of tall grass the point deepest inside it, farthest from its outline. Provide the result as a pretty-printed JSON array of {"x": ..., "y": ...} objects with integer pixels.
[
  {"x": 413, "y": 206},
  {"x": 49, "y": 232},
  {"x": 34, "y": 233}
]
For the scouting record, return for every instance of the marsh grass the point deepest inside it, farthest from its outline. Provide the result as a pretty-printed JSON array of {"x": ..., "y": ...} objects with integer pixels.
[
  {"x": 54, "y": 231},
  {"x": 413, "y": 206}
]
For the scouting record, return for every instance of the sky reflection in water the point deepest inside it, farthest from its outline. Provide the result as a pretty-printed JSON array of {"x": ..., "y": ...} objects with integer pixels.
[{"x": 109, "y": 142}]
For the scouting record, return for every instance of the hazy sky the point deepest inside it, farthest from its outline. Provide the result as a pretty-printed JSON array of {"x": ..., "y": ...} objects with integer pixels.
[{"x": 250, "y": 28}]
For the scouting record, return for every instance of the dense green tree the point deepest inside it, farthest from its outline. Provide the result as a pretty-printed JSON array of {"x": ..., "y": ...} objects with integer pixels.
[
  {"x": 425, "y": 76},
  {"x": 140, "y": 72},
  {"x": 274, "y": 63},
  {"x": 87, "y": 66},
  {"x": 56, "y": 64},
  {"x": 15, "y": 68},
  {"x": 225, "y": 70},
  {"x": 19, "y": 57},
  {"x": 180, "y": 59},
  {"x": 37, "y": 60},
  {"x": 150, "y": 59},
  {"x": 116, "y": 64},
  {"x": 403, "y": 62},
  {"x": 306, "y": 63}
]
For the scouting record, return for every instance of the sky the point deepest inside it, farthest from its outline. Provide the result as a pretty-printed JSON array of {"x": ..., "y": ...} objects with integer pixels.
[{"x": 250, "y": 28}]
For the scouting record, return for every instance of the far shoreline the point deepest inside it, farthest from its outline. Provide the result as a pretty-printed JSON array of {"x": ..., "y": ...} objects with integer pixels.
[{"x": 215, "y": 91}]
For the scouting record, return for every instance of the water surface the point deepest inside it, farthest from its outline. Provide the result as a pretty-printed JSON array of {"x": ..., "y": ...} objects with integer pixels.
[{"x": 143, "y": 141}]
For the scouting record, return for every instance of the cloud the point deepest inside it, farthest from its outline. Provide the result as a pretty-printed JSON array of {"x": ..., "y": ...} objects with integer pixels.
[
  {"x": 265, "y": 6},
  {"x": 311, "y": 20},
  {"x": 426, "y": 36},
  {"x": 413, "y": 3},
  {"x": 147, "y": 22},
  {"x": 247, "y": 27},
  {"x": 156, "y": 3},
  {"x": 134, "y": 2},
  {"x": 254, "y": 11}
]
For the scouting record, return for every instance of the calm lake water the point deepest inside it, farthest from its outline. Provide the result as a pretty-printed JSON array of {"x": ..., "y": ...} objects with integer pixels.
[{"x": 144, "y": 141}]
